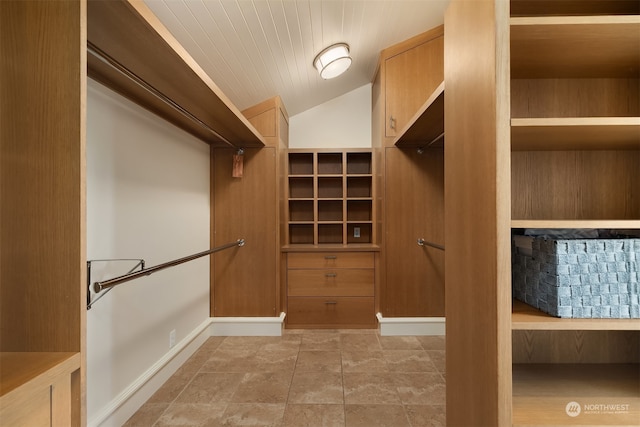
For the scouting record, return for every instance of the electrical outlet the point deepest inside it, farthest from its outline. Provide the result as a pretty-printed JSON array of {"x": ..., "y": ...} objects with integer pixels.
[
  {"x": 356, "y": 232},
  {"x": 172, "y": 338}
]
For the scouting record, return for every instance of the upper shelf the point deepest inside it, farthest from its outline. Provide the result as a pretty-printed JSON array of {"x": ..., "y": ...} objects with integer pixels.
[
  {"x": 140, "y": 59},
  {"x": 576, "y": 133},
  {"x": 575, "y": 46},
  {"x": 426, "y": 127}
]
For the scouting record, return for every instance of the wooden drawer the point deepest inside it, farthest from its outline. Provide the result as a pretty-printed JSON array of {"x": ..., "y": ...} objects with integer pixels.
[
  {"x": 331, "y": 282},
  {"x": 331, "y": 311},
  {"x": 330, "y": 260}
]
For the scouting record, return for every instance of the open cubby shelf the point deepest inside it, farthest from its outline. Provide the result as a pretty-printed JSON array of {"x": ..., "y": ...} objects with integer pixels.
[
  {"x": 330, "y": 197},
  {"x": 575, "y": 157}
]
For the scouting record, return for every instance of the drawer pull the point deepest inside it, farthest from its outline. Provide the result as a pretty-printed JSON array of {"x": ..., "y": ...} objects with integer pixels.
[
  {"x": 331, "y": 275},
  {"x": 331, "y": 302},
  {"x": 330, "y": 257}
]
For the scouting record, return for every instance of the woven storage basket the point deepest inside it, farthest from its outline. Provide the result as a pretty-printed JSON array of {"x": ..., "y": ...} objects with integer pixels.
[{"x": 581, "y": 278}]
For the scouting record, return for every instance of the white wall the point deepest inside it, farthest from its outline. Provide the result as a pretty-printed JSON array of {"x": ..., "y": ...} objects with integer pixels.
[
  {"x": 343, "y": 122},
  {"x": 147, "y": 197}
]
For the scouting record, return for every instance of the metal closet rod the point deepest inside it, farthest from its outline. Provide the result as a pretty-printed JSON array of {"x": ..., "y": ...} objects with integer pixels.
[
  {"x": 105, "y": 58},
  {"x": 99, "y": 286}
]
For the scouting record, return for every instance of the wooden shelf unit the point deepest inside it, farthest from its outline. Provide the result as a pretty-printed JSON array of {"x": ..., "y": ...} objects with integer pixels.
[
  {"x": 542, "y": 132},
  {"x": 129, "y": 33},
  {"x": 329, "y": 195},
  {"x": 575, "y": 163}
]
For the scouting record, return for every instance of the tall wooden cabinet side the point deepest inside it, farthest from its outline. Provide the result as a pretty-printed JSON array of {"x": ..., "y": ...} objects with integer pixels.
[
  {"x": 411, "y": 185},
  {"x": 477, "y": 209},
  {"x": 42, "y": 191},
  {"x": 249, "y": 207}
]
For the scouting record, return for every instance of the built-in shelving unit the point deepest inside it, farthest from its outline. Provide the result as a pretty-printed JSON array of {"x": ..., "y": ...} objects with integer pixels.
[
  {"x": 330, "y": 198},
  {"x": 575, "y": 163},
  {"x": 131, "y": 52},
  {"x": 426, "y": 128}
]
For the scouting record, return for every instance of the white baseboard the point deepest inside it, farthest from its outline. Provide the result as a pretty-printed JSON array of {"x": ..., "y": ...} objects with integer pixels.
[
  {"x": 247, "y": 326},
  {"x": 390, "y": 326},
  {"x": 124, "y": 405}
]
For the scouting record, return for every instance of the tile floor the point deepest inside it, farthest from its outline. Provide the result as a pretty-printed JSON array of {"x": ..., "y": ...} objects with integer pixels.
[{"x": 320, "y": 378}]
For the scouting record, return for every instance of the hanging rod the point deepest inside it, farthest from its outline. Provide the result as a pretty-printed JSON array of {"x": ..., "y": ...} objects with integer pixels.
[
  {"x": 429, "y": 144},
  {"x": 105, "y": 58},
  {"x": 99, "y": 286},
  {"x": 422, "y": 242}
]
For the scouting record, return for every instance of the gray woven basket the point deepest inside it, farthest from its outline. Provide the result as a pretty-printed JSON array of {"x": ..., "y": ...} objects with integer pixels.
[{"x": 582, "y": 278}]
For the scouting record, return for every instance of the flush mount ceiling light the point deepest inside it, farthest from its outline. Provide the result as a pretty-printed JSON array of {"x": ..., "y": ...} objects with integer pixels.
[{"x": 333, "y": 61}]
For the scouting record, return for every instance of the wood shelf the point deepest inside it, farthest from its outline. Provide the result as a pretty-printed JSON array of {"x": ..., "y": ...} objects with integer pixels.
[
  {"x": 571, "y": 223},
  {"x": 132, "y": 35},
  {"x": 584, "y": 133},
  {"x": 427, "y": 125},
  {"x": 541, "y": 393},
  {"x": 575, "y": 46},
  {"x": 525, "y": 317},
  {"x": 325, "y": 207}
]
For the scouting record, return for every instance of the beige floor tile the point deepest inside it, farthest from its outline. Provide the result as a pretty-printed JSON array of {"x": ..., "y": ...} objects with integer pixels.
[
  {"x": 147, "y": 415},
  {"x": 400, "y": 343},
  {"x": 408, "y": 361},
  {"x": 432, "y": 342},
  {"x": 319, "y": 361},
  {"x": 314, "y": 416},
  {"x": 439, "y": 359},
  {"x": 359, "y": 342},
  {"x": 320, "y": 341},
  {"x": 369, "y": 388},
  {"x": 316, "y": 387},
  {"x": 211, "y": 387},
  {"x": 192, "y": 414},
  {"x": 230, "y": 360},
  {"x": 269, "y": 387},
  {"x": 275, "y": 360},
  {"x": 168, "y": 392},
  {"x": 426, "y": 415},
  {"x": 375, "y": 416},
  {"x": 363, "y": 361},
  {"x": 419, "y": 388},
  {"x": 253, "y": 414},
  {"x": 324, "y": 378}
]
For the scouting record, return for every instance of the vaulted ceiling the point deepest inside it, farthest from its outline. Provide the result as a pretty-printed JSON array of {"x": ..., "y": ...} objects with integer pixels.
[{"x": 256, "y": 49}]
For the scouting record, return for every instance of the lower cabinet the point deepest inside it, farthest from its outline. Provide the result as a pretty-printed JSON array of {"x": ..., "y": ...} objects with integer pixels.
[{"x": 331, "y": 289}]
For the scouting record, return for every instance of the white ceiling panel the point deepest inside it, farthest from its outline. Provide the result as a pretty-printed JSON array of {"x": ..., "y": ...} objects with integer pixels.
[{"x": 256, "y": 49}]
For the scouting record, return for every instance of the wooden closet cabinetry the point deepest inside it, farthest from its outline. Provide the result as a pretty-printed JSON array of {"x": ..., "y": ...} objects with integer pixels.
[
  {"x": 330, "y": 251},
  {"x": 409, "y": 81},
  {"x": 249, "y": 207},
  {"x": 331, "y": 289},
  {"x": 546, "y": 137},
  {"x": 409, "y": 77}
]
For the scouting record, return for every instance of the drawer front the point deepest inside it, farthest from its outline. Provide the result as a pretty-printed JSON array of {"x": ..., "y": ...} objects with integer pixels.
[
  {"x": 330, "y": 282},
  {"x": 327, "y": 311},
  {"x": 330, "y": 260}
]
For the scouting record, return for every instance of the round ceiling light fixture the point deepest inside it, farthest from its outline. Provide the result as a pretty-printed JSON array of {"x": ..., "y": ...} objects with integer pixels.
[{"x": 333, "y": 61}]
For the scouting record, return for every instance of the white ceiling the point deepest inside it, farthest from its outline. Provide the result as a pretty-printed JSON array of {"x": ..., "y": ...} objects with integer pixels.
[{"x": 256, "y": 49}]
